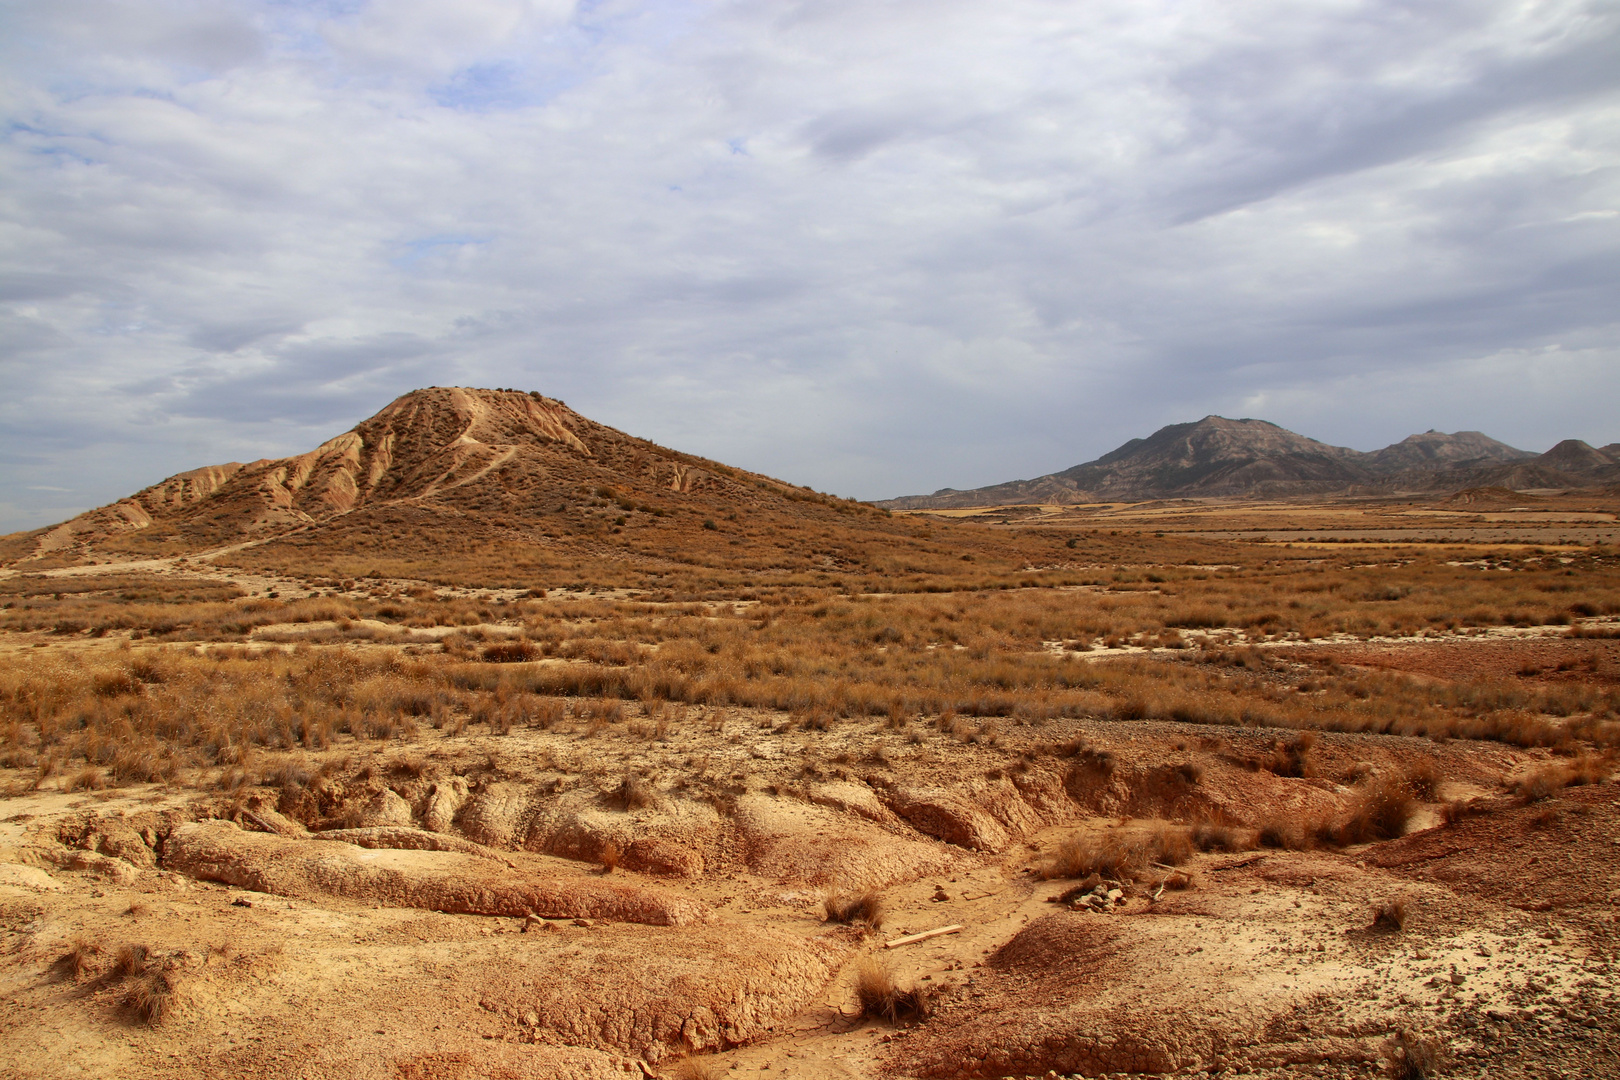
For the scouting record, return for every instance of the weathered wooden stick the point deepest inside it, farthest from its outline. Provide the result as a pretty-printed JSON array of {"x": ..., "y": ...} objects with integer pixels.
[{"x": 909, "y": 938}]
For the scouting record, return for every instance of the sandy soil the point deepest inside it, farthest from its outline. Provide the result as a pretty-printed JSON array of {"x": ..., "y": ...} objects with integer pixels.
[
  {"x": 294, "y": 955},
  {"x": 453, "y": 919}
]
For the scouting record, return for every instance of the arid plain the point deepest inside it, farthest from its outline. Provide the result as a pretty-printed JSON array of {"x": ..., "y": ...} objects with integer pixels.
[{"x": 486, "y": 741}]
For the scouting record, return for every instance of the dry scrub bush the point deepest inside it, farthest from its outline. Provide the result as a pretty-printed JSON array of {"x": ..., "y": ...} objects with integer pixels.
[
  {"x": 80, "y": 959},
  {"x": 1114, "y": 856},
  {"x": 1547, "y": 780},
  {"x": 865, "y": 908},
  {"x": 1209, "y": 836},
  {"x": 694, "y": 1068},
  {"x": 1415, "y": 1056},
  {"x": 152, "y": 997},
  {"x": 129, "y": 961},
  {"x": 882, "y": 997},
  {"x": 1382, "y": 811},
  {"x": 1390, "y": 917},
  {"x": 634, "y": 793}
]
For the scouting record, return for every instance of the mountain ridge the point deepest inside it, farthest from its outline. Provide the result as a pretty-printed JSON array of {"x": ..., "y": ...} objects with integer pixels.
[{"x": 1217, "y": 457}]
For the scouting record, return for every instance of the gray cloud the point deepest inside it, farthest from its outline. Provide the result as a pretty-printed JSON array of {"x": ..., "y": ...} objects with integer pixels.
[{"x": 873, "y": 248}]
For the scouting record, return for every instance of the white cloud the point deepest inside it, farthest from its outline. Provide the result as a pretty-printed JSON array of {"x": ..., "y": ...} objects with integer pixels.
[{"x": 873, "y": 248}]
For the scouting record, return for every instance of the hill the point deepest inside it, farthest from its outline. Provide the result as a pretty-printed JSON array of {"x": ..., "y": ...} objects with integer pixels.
[
  {"x": 502, "y": 486},
  {"x": 1218, "y": 457}
]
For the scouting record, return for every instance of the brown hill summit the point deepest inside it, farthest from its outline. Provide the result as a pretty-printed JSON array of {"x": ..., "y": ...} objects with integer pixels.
[
  {"x": 1436, "y": 448},
  {"x": 1218, "y": 457},
  {"x": 451, "y": 475}
]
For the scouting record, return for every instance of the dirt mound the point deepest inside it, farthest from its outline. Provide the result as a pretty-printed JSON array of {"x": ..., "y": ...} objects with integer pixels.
[
  {"x": 701, "y": 988},
  {"x": 1058, "y": 998},
  {"x": 1522, "y": 855},
  {"x": 678, "y": 837},
  {"x": 950, "y": 815},
  {"x": 508, "y": 1063},
  {"x": 433, "y": 880},
  {"x": 406, "y": 839},
  {"x": 799, "y": 843}
]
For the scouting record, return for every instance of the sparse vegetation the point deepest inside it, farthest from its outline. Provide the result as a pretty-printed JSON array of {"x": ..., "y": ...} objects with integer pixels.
[
  {"x": 80, "y": 960},
  {"x": 1390, "y": 916},
  {"x": 130, "y": 961},
  {"x": 882, "y": 997},
  {"x": 694, "y": 1068},
  {"x": 1415, "y": 1056},
  {"x": 865, "y": 908},
  {"x": 151, "y": 997},
  {"x": 735, "y": 689},
  {"x": 1115, "y": 856}
]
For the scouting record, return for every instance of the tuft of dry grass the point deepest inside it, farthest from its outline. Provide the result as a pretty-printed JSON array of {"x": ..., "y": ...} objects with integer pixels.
[
  {"x": 694, "y": 1068},
  {"x": 882, "y": 997},
  {"x": 865, "y": 908},
  {"x": 152, "y": 997},
  {"x": 80, "y": 959},
  {"x": 635, "y": 793},
  {"x": 1423, "y": 776},
  {"x": 1548, "y": 780},
  {"x": 130, "y": 961},
  {"x": 1209, "y": 836},
  {"x": 1390, "y": 917},
  {"x": 1415, "y": 1056},
  {"x": 1115, "y": 856},
  {"x": 1382, "y": 811}
]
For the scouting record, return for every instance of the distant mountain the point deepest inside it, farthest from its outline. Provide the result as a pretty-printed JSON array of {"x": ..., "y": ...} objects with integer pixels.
[
  {"x": 1574, "y": 456},
  {"x": 1436, "y": 448},
  {"x": 1218, "y": 457}
]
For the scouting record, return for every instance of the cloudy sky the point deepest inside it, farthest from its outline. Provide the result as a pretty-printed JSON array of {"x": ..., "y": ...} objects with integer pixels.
[{"x": 873, "y": 246}]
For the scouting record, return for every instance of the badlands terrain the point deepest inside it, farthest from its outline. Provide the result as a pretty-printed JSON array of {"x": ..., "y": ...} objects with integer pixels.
[{"x": 487, "y": 741}]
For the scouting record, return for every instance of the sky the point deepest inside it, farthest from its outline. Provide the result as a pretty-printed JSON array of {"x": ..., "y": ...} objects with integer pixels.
[{"x": 877, "y": 247}]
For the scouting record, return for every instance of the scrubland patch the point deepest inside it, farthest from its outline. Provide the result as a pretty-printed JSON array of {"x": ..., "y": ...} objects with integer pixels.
[{"x": 696, "y": 802}]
